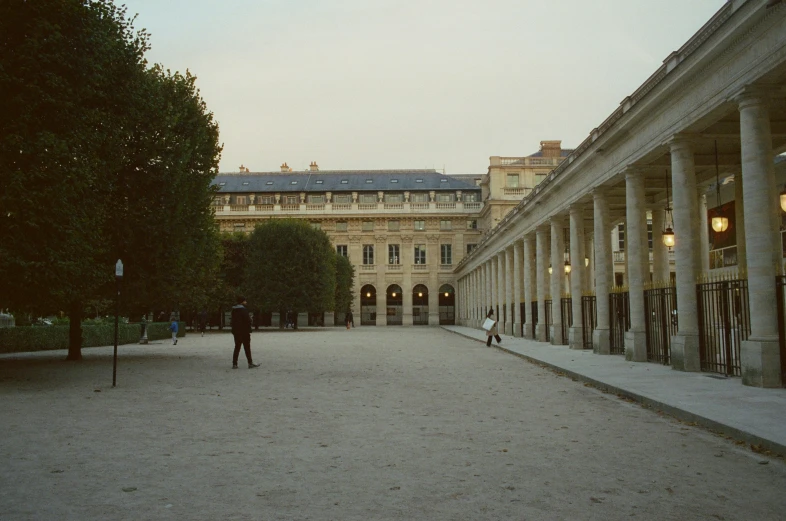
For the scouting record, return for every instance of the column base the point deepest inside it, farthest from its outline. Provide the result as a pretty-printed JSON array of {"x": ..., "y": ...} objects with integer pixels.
[
  {"x": 517, "y": 329},
  {"x": 576, "y": 337},
  {"x": 601, "y": 342},
  {"x": 540, "y": 332},
  {"x": 433, "y": 319},
  {"x": 507, "y": 327},
  {"x": 330, "y": 319},
  {"x": 406, "y": 319},
  {"x": 636, "y": 346},
  {"x": 761, "y": 363},
  {"x": 382, "y": 320},
  {"x": 556, "y": 334},
  {"x": 685, "y": 352}
]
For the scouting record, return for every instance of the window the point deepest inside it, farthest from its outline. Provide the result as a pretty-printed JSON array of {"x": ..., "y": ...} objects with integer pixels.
[
  {"x": 446, "y": 254},
  {"x": 266, "y": 199},
  {"x": 269, "y": 183},
  {"x": 513, "y": 180},
  {"x": 649, "y": 233},
  {"x": 443, "y": 180},
  {"x": 394, "y": 180},
  {"x": 394, "y": 198},
  {"x": 419, "y": 198},
  {"x": 344, "y": 181},
  {"x": 368, "y": 226},
  {"x": 342, "y": 198},
  {"x": 218, "y": 201},
  {"x": 319, "y": 181},
  {"x": 394, "y": 226},
  {"x": 316, "y": 225},
  {"x": 293, "y": 182},
  {"x": 540, "y": 176},
  {"x": 368, "y": 254},
  {"x": 341, "y": 226},
  {"x": 290, "y": 199},
  {"x": 240, "y": 226},
  {"x": 470, "y": 198},
  {"x": 316, "y": 199},
  {"x": 221, "y": 184},
  {"x": 445, "y": 198},
  {"x": 341, "y": 249},
  {"x": 471, "y": 247},
  {"x": 393, "y": 254},
  {"x": 445, "y": 224},
  {"x": 369, "y": 181},
  {"x": 472, "y": 224},
  {"x": 621, "y": 237},
  {"x": 418, "y": 180},
  {"x": 420, "y": 254},
  {"x": 241, "y": 199},
  {"x": 368, "y": 198},
  {"x": 420, "y": 225},
  {"x": 245, "y": 183}
]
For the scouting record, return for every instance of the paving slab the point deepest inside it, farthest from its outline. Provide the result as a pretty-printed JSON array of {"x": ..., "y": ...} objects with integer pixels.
[{"x": 755, "y": 415}]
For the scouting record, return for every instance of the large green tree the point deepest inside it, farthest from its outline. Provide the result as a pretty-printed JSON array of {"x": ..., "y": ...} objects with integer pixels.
[
  {"x": 291, "y": 267},
  {"x": 101, "y": 158},
  {"x": 344, "y": 281}
]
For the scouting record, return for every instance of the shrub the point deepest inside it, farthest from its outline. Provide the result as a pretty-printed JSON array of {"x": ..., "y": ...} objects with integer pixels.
[{"x": 23, "y": 339}]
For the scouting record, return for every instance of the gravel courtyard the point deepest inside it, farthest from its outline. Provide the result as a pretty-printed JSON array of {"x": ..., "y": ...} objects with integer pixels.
[{"x": 373, "y": 423}]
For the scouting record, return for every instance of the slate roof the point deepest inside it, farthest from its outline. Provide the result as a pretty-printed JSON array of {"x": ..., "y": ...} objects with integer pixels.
[
  {"x": 565, "y": 152},
  {"x": 340, "y": 181}
]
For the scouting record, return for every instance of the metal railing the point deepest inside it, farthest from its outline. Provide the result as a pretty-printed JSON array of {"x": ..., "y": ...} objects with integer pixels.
[
  {"x": 660, "y": 312},
  {"x": 548, "y": 319},
  {"x": 619, "y": 320},
  {"x": 566, "y": 315},
  {"x": 724, "y": 322},
  {"x": 589, "y": 319},
  {"x": 780, "y": 298},
  {"x": 534, "y": 309}
]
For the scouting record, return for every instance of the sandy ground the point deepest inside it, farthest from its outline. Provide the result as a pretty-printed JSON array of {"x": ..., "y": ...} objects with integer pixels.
[{"x": 387, "y": 423}]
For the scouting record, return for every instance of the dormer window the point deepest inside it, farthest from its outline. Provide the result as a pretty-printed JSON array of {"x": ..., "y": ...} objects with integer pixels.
[
  {"x": 344, "y": 181},
  {"x": 221, "y": 184},
  {"x": 418, "y": 180},
  {"x": 245, "y": 183},
  {"x": 293, "y": 182},
  {"x": 443, "y": 180},
  {"x": 394, "y": 180},
  {"x": 318, "y": 181},
  {"x": 369, "y": 180},
  {"x": 269, "y": 183}
]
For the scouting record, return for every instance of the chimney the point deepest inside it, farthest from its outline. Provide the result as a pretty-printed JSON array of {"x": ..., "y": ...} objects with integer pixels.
[
  {"x": 313, "y": 167},
  {"x": 551, "y": 148},
  {"x": 243, "y": 168},
  {"x": 285, "y": 168}
]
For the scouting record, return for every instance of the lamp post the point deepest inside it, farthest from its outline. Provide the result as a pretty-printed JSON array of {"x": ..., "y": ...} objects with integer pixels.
[{"x": 118, "y": 278}]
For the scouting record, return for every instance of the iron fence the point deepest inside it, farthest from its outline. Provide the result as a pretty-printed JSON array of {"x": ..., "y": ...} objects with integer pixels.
[
  {"x": 534, "y": 307},
  {"x": 589, "y": 319},
  {"x": 724, "y": 322},
  {"x": 523, "y": 315},
  {"x": 549, "y": 321},
  {"x": 780, "y": 294},
  {"x": 619, "y": 317},
  {"x": 660, "y": 310},
  {"x": 566, "y": 315}
]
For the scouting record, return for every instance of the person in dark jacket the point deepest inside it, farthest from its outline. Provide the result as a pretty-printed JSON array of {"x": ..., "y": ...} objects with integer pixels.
[
  {"x": 493, "y": 331},
  {"x": 241, "y": 330},
  {"x": 349, "y": 319}
]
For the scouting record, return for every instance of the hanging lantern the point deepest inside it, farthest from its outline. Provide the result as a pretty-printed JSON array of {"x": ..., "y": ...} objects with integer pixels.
[
  {"x": 550, "y": 270},
  {"x": 394, "y": 294},
  {"x": 447, "y": 294},
  {"x": 586, "y": 261},
  {"x": 567, "y": 267},
  {"x": 668, "y": 237},
  {"x": 783, "y": 199},
  {"x": 420, "y": 294},
  {"x": 720, "y": 223}
]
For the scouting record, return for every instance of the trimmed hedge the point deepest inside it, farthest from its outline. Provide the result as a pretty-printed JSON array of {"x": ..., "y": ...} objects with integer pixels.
[{"x": 47, "y": 338}]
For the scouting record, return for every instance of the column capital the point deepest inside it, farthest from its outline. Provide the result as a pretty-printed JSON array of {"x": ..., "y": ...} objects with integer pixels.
[
  {"x": 576, "y": 208},
  {"x": 752, "y": 95},
  {"x": 682, "y": 141}
]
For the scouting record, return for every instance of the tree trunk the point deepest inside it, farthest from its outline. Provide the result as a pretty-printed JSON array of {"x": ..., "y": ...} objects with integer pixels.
[
  {"x": 75, "y": 332},
  {"x": 282, "y": 319}
]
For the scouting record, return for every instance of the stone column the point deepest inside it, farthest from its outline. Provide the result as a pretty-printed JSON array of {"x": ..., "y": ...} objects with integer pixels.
[
  {"x": 432, "y": 260},
  {"x": 509, "y": 276},
  {"x": 356, "y": 258},
  {"x": 473, "y": 283},
  {"x": 687, "y": 250},
  {"x": 406, "y": 280},
  {"x": 603, "y": 272},
  {"x": 541, "y": 239},
  {"x": 517, "y": 320},
  {"x": 760, "y": 354},
  {"x": 739, "y": 217},
  {"x": 530, "y": 292},
  {"x": 557, "y": 277},
  {"x": 382, "y": 288},
  {"x": 704, "y": 229},
  {"x": 493, "y": 285},
  {"x": 501, "y": 290},
  {"x": 637, "y": 257},
  {"x": 576, "y": 331},
  {"x": 660, "y": 253}
]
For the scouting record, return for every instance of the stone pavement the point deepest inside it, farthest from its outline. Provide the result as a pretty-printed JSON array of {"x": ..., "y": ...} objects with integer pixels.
[{"x": 724, "y": 405}]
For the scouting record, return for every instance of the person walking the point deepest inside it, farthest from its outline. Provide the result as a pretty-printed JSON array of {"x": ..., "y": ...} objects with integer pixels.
[
  {"x": 492, "y": 332},
  {"x": 173, "y": 328},
  {"x": 202, "y": 321},
  {"x": 241, "y": 330},
  {"x": 349, "y": 319}
]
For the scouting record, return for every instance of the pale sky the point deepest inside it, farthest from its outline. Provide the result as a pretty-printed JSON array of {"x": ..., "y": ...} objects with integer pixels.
[{"x": 388, "y": 84}]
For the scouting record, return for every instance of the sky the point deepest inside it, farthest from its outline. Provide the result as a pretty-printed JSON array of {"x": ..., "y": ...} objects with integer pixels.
[{"x": 397, "y": 84}]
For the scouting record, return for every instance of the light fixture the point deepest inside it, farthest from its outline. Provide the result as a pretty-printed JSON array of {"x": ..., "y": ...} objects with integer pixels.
[
  {"x": 567, "y": 267},
  {"x": 368, "y": 294},
  {"x": 783, "y": 199},
  {"x": 394, "y": 294},
  {"x": 586, "y": 261},
  {"x": 447, "y": 294},
  {"x": 566, "y": 239},
  {"x": 720, "y": 223},
  {"x": 420, "y": 294},
  {"x": 550, "y": 269},
  {"x": 668, "y": 234}
]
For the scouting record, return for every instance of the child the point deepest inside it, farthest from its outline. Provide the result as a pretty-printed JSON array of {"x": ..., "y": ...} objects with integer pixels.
[{"x": 173, "y": 329}]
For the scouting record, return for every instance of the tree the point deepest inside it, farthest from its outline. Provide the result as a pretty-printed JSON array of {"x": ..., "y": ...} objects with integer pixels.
[
  {"x": 291, "y": 267},
  {"x": 344, "y": 281}
]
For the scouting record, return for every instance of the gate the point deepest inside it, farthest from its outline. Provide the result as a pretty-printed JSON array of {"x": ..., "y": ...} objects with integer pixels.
[
  {"x": 724, "y": 322},
  {"x": 780, "y": 298},
  {"x": 523, "y": 315},
  {"x": 566, "y": 315},
  {"x": 534, "y": 306},
  {"x": 589, "y": 318},
  {"x": 547, "y": 308},
  {"x": 619, "y": 318},
  {"x": 660, "y": 310}
]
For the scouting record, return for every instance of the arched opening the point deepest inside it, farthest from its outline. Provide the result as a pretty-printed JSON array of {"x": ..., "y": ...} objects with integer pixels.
[
  {"x": 395, "y": 301},
  {"x": 447, "y": 305},
  {"x": 368, "y": 305},
  {"x": 420, "y": 305}
]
